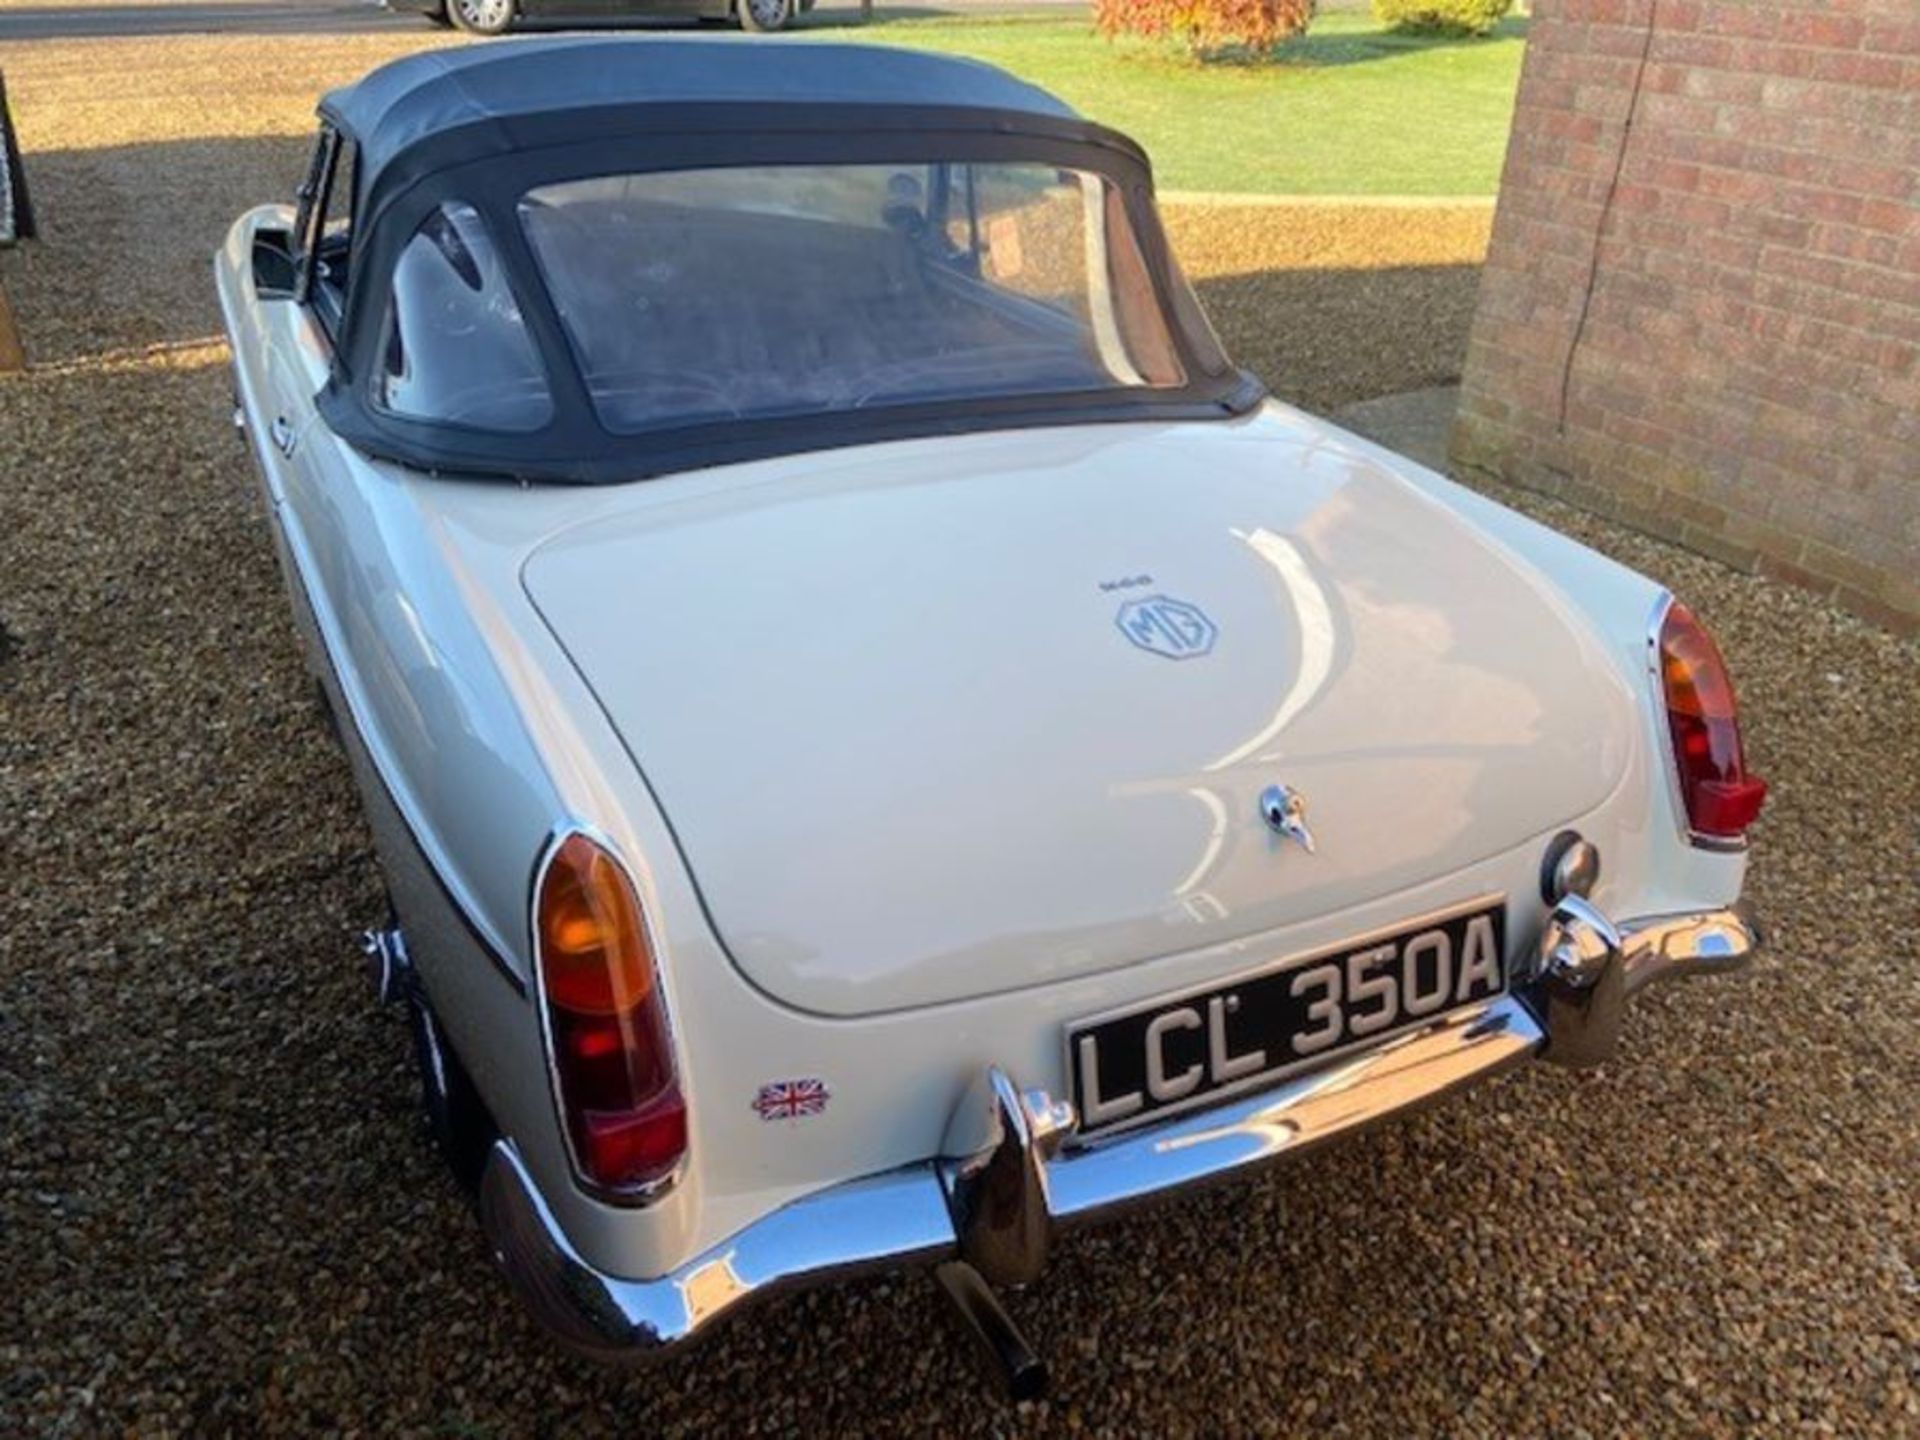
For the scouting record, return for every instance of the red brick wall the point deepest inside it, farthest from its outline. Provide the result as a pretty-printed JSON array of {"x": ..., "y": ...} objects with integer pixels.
[{"x": 1701, "y": 304}]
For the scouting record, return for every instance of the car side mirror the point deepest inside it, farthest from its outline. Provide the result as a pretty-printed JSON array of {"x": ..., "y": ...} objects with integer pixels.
[{"x": 273, "y": 267}]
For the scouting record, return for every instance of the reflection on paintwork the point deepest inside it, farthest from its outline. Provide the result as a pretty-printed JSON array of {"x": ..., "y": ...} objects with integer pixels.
[
  {"x": 987, "y": 855},
  {"x": 421, "y": 681},
  {"x": 1397, "y": 1073},
  {"x": 709, "y": 1288},
  {"x": 1216, "y": 837},
  {"x": 1313, "y": 624},
  {"x": 410, "y": 621},
  {"x": 1202, "y": 908}
]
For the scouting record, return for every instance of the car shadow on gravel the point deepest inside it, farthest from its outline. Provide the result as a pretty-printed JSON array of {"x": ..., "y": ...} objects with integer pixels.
[{"x": 127, "y": 236}]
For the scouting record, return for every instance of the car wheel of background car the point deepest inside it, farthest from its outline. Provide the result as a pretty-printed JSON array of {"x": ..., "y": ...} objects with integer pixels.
[
  {"x": 765, "y": 16},
  {"x": 456, "y": 1115},
  {"x": 483, "y": 17}
]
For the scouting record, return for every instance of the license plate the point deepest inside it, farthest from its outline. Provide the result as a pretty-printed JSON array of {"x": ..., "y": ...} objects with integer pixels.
[{"x": 1181, "y": 1051}]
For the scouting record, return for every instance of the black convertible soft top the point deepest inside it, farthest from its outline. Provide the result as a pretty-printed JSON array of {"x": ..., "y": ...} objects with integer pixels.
[
  {"x": 488, "y": 91},
  {"x": 483, "y": 124}
]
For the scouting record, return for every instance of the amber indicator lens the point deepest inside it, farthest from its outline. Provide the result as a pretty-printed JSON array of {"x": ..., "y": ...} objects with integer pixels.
[
  {"x": 606, "y": 1024},
  {"x": 1722, "y": 799}
]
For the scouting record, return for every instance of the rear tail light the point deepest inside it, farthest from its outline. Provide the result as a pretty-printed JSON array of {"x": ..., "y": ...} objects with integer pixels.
[
  {"x": 606, "y": 1023},
  {"x": 1721, "y": 798}
]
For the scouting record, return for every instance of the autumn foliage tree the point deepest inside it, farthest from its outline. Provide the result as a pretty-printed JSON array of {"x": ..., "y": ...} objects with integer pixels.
[{"x": 1206, "y": 27}]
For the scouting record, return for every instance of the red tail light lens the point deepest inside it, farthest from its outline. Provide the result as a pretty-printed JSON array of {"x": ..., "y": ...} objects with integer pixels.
[
  {"x": 606, "y": 1022},
  {"x": 1721, "y": 798}
]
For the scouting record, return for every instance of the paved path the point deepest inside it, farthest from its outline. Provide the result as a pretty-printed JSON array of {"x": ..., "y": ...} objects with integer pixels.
[
  {"x": 1417, "y": 423},
  {"x": 309, "y": 17}
]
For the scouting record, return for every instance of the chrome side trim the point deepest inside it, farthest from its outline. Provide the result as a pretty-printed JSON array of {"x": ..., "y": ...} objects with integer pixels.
[{"x": 892, "y": 1219}]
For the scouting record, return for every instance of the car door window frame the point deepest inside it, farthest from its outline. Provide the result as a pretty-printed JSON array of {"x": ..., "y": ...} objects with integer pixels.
[{"x": 316, "y": 195}]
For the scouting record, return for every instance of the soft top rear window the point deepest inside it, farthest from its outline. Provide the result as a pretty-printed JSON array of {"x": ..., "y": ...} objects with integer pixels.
[
  {"x": 454, "y": 345},
  {"x": 703, "y": 295}
]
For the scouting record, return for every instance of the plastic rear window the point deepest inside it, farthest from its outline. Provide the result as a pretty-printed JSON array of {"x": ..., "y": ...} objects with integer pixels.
[
  {"x": 697, "y": 296},
  {"x": 454, "y": 346}
]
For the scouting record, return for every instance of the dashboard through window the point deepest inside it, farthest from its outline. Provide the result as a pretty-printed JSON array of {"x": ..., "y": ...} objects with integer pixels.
[{"x": 695, "y": 296}]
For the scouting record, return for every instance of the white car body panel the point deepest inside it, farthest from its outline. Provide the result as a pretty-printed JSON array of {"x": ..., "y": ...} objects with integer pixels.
[
  {"x": 477, "y": 724},
  {"x": 914, "y": 759}
]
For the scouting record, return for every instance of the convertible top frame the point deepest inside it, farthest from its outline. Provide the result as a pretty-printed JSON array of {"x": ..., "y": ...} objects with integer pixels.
[{"x": 427, "y": 131}]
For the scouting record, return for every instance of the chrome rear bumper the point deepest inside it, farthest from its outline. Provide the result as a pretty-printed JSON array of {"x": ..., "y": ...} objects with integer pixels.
[{"x": 997, "y": 1206}]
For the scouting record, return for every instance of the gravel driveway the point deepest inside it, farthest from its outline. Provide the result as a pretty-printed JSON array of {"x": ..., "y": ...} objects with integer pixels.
[{"x": 217, "y": 1212}]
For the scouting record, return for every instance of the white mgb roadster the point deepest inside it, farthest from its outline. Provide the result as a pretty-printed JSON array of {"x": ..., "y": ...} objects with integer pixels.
[{"x": 883, "y": 742}]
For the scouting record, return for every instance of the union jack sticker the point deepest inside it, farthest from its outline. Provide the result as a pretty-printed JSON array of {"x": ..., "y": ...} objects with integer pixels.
[{"x": 791, "y": 1099}]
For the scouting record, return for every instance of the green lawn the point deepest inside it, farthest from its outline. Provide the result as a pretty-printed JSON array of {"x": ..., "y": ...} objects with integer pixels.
[{"x": 1348, "y": 109}]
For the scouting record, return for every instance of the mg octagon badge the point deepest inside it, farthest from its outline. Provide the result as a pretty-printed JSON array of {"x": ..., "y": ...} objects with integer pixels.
[{"x": 1177, "y": 629}]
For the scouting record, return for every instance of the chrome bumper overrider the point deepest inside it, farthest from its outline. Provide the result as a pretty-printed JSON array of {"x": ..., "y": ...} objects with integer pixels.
[{"x": 1011, "y": 1184}]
